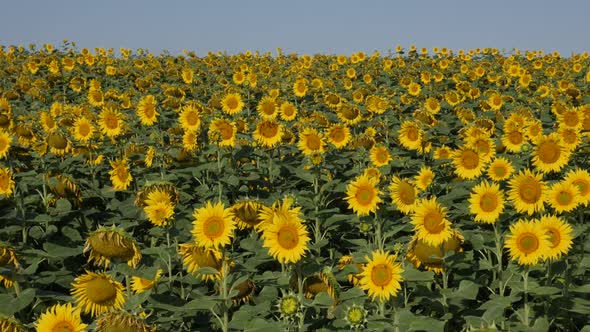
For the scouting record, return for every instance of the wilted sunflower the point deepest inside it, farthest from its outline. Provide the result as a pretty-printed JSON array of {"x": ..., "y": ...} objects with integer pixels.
[
  {"x": 111, "y": 121},
  {"x": 338, "y": 135},
  {"x": 362, "y": 195},
  {"x": 527, "y": 190},
  {"x": 560, "y": 235},
  {"x": 60, "y": 317},
  {"x": 7, "y": 260},
  {"x": 7, "y": 184},
  {"x": 486, "y": 202},
  {"x": 580, "y": 178},
  {"x": 140, "y": 285},
  {"x": 422, "y": 254},
  {"x": 122, "y": 321},
  {"x": 382, "y": 276},
  {"x": 268, "y": 133},
  {"x": 562, "y": 196},
  {"x": 430, "y": 222},
  {"x": 9, "y": 324},
  {"x": 403, "y": 194},
  {"x": 5, "y": 142},
  {"x": 63, "y": 186},
  {"x": 106, "y": 244},
  {"x": 286, "y": 239},
  {"x": 380, "y": 156},
  {"x": 500, "y": 169},
  {"x": 223, "y": 131},
  {"x": 468, "y": 164},
  {"x": 410, "y": 135},
  {"x": 96, "y": 293},
  {"x": 246, "y": 213},
  {"x": 195, "y": 257},
  {"x": 310, "y": 141},
  {"x": 157, "y": 192},
  {"x": 549, "y": 155},
  {"x": 120, "y": 176},
  {"x": 213, "y": 225},
  {"x": 232, "y": 103},
  {"x": 146, "y": 110},
  {"x": 528, "y": 242}
]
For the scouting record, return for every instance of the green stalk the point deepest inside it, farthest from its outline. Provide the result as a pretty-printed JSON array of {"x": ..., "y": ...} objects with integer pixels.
[{"x": 525, "y": 278}]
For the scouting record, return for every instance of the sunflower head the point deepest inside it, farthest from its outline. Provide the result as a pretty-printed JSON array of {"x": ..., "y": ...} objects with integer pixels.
[
  {"x": 140, "y": 285},
  {"x": 122, "y": 321},
  {"x": 430, "y": 222},
  {"x": 486, "y": 202},
  {"x": 403, "y": 194},
  {"x": 106, "y": 244},
  {"x": 195, "y": 257},
  {"x": 560, "y": 235},
  {"x": 356, "y": 316},
  {"x": 213, "y": 225},
  {"x": 286, "y": 238},
  {"x": 97, "y": 293},
  {"x": 60, "y": 317},
  {"x": 245, "y": 290},
  {"x": 155, "y": 192},
  {"x": 289, "y": 306},
  {"x": 528, "y": 243},
  {"x": 363, "y": 195},
  {"x": 7, "y": 184},
  {"x": 382, "y": 276},
  {"x": 422, "y": 254},
  {"x": 10, "y": 324},
  {"x": 246, "y": 213}
]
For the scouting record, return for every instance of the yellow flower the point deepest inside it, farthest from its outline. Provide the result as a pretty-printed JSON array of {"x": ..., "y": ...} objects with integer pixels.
[
  {"x": 527, "y": 242},
  {"x": 232, "y": 103},
  {"x": 486, "y": 202},
  {"x": 500, "y": 169},
  {"x": 120, "y": 176},
  {"x": 380, "y": 155},
  {"x": 310, "y": 142},
  {"x": 288, "y": 111},
  {"x": 6, "y": 182},
  {"x": 549, "y": 155},
  {"x": 286, "y": 239},
  {"x": 111, "y": 121},
  {"x": 382, "y": 276},
  {"x": 146, "y": 110},
  {"x": 560, "y": 236},
  {"x": 338, "y": 135},
  {"x": 362, "y": 195},
  {"x": 268, "y": 133},
  {"x": 189, "y": 118},
  {"x": 430, "y": 222},
  {"x": 563, "y": 197},
  {"x": 580, "y": 178},
  {"x": 159, "y": 214},
  {"x": 213, "y": 225},
  {"x": 195, "y": 257},
  {"x": 424, "y": 178},
  {"x": 5, "y": 142},
  {"x": 140, "y": 285},
  {"x": 60, "y": 317},
  {"x": 223, "y": 131},
  {"x": 527, "y": 192},
  {"x": 410, "y": 136},
  {"x": 83, "y": 130},
  {"x": 300, "y": 87},
  {"x": 97, "y": 293},
  {"x": 267, "y": 108},
  {"x": 106, "y": 244},
  {"x": 422, "y": 254},
  {"x": 122, "y": 321},
  {"x": 468, "y": 164},
  {"x": 403, "y": 194}
]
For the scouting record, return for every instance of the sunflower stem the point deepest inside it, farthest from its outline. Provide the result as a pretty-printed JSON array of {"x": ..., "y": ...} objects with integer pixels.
[
  {"x": 270, "y": 176},
  {"x": 219, "y": 184},
  {"x": 224, "y": 294},
  {"x": 316, "y": 190},
  {"x": 498, "y": 240},
  {"x": 299, "y": 275},
  {"x": 525, "y": 278},
  {"x": 382, "y": 308},
  {"x": 395, "y": 317}
]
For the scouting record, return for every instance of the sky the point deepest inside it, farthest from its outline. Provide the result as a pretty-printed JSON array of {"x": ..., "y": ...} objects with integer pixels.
[{"x": 302, "y": 26}]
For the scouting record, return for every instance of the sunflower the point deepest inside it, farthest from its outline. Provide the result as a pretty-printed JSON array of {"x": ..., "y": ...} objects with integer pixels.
[
  {"x": 468, "y": 164},
  {"x": 120, "y": 176},
  {"x": 146, "y": 110},
  {"x": 570, "y": 138},
  {"x": 83, "y": 130},
  {"x": 5, "y": 142},
  {"x": 382, "y": 276},
  {"x": 245, "y": 291},
  {"x": 310, "y": 141},
  {"x": 140, "y": 285},
  {"x": 362, "y": 195},
  {"x": 189, "y": 140},
  {"x": 246, "y": 213},
  {"x": 8, "y": 260},
  {"x": 563, "y": 197},
  {"x": 414, "y": 89},
  {"x": 513, "y": 140},
  {"x": 195, "y": 257},
  {"x": 484, "y": 146},
  {"x": 424, "y": 178},
  {"x": 7, "y": 184},
  {"x": 106, "y": 244},
  {"x": 300, "y": 87},
  {"x": 422, "y": 254},
  {"x": 60, "y": 317},
  {"x": 223, "y": 131},
  {"x": 403, "y": 194},
  {"x": 571, "y": 118},
  {"x": 380, "y": 156},
  {"x": 410, "y": 136},
  {"x": 159, "y": 214},
  {"x": 338, "y": 135},
  {"x": 268, "y": 133},
  {"x": 486, "y": 202},
  {"x": 213, "y": 225},
  {"x": 96, "y": 293},
  {"x": 122, "y": 321},
  {"x": 549, "y": 155},
  {"x": 283, "y": 210},
  {"x": 9, "y": 324},
  {"x": 500, "y": 169},
  {"x": 286, "y": 239},
  {"x": 430, "y": 222},
  {"x": 111, "y": 121},
  {"x": 442, "y": 153},
  {"x": 95, "y": 97},
  {"x": 267, "y": 108},
  {"x": 580, "y": 178},
  {"x": 232, "y": 103},
  {"x": 527, "y": 242},
  {"x": 526, "y": 192},
  {"x": 432, "y": 105},
  {"x": 288, "y": 111},
  {"x": 356, "y": 317},
  {"x": 189, "y": 118},
  {"x": 560, "y": 235}
]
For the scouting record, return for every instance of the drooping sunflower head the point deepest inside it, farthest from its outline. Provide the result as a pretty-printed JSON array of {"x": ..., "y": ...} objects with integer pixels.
[
  {"x": 430, "y": 222},
  {"x": 526, "y": 192},
  {"x": 382, "y": 276},
  {"x": 195, "y": 257},
  {"x": 245, "y": 290},
  {"x": 286, "y": 238},
  {"x": 157, "y": 192},
  {"x": 63, "y": 186},
  {"x": 362, "y": 195},
  {"x": 107, "y": 244},
  {"x": 403, "y": 194},
  {"x": 422, "y": 254},
  {"x": 60, "y": 317},
  {"x": 486, "y": 202},
  {"x": 122, "y": 321},
  {"x": 246, "y": 213},
  {"x": 213, "y": 225},
  {"x": 353, "y": 278},
  {"x": 10, "y": 324},
  {"x": 97, "y": 293},
  {"x": 528, "y": 242}
]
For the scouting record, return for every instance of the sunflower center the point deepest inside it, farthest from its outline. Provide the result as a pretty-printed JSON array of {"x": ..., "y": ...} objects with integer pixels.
[
  {"x": 3, "y": 143},
  {"x": 313, "y": 142},
  {"x": 269, "y": 129},
  {"x": 483, "y": 147},
  {"x": 364, "y": 196},
  {"x": 469, "y": 159},
  {"x": 63, "y": 326},
  {"x": 268, "y": 108},
  {"x": 288, "y": 237},
  {"x": 500, "y": 171},
  {"x": 488, "y": 202},
  {"x": 571, "y": 119},
  {"x": 433, "y": 222},
  {"x": 583, "y": 187},
  {"x": 122, "y": 173},
  {"x": 528, "y": 243},
  {"x": 381, "y": 275},
  {"x": 192, "y": 118},
  {"x": 4, "y": 181},
  {"x": 149, "y": 111},
  {"x": 549, "y": 152},
  {"x": 337, "y": 136},
  {"x": 407, "y": 194},
  {"x": 412, "y": 134},
  {"x": 515, "y": 137},
  {"x": 226, "y": 132},
  {"x": 530, "y": 191},
  {"x": 288, "y": 110},
  {"x": 213, "y": 227},
  {"x": 99, "y": 290},
  {"x": 232, "y": 103},
  {"x": 553, "y": 236},
  {"x": 84, "y": 129},
  {"x": 382, "y": 156},
  {"x": 564, "y": 198},
  {"x": 111, "y": 122}
]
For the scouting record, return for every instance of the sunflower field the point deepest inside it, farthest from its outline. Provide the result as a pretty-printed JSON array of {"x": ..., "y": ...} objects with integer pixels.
[{"x": 419, "y": 190}]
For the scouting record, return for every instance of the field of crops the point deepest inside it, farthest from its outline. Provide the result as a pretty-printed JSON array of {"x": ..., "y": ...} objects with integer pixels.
[{"x": 419, "y": 190}]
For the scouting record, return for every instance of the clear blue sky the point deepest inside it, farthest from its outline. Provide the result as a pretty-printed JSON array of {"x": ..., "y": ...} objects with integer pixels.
[{"x": 302, "y": 26}]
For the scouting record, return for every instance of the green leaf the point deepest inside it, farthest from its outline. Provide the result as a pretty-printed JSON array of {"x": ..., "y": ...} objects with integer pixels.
[
  {"x": 323, "y": 299},
  {"x": 421, "y": 323},
  {"x": 55, "y": 250},
  {"x": 467, "y": 290},
  {"x": 411, "y": 274},
  {"x": 63, "y": 205},
  {"x": 544, "y": 290},
  {"x": 23, "y": 299}
]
